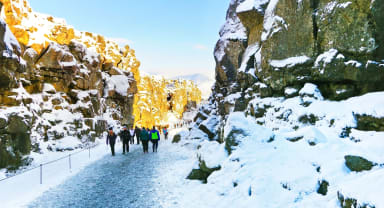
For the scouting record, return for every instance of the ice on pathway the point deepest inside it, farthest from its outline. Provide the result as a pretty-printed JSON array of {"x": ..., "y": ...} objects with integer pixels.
[
  {"x": 20, "y": 190},
  {"x": 131, "y": 180}
]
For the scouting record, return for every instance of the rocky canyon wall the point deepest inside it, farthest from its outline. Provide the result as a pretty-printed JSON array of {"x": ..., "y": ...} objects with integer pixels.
[
  {"x": 57, "y": 83},
  {"x": 271, "y": 46}
]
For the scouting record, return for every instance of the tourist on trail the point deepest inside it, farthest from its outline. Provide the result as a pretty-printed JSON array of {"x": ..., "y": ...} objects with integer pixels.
[
  {"x": 138, "y": 134},
  {"x": 125, "y": 137},
  {"x": 111, "y": 139},
  {"x": 132, "y": 134},
  {"x": 155, "y": 137},
  {"x": 165, "y": 132},
  {"x": 144, "y": 136}
]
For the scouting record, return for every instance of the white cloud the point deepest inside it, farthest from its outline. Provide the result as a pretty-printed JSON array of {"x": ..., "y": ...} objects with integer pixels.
[
  {"x": 122, "y": 41},
  {"x": 200, "y": 47}
]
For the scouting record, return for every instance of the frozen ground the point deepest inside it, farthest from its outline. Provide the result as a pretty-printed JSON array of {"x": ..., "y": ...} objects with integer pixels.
[
  {"x": 20, "y": 190},
  {"x": 287, "y": 147},
  {"x": 131, "y": 180}
]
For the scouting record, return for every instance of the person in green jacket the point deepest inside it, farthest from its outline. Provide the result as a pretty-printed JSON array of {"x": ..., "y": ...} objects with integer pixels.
[
  {"x": 155, "y": 138},
  {"x": 144, "y": 137}
]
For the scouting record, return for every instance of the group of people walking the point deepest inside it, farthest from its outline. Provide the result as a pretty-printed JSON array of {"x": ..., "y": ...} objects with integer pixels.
[{"x": 142, "y": 135}]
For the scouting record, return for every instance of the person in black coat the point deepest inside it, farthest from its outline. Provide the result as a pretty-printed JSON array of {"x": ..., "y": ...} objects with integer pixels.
[
  {"x": 125, "y": 137},
  {"x": 111, "y": 139},
  {"x": 138, "y": 134}
]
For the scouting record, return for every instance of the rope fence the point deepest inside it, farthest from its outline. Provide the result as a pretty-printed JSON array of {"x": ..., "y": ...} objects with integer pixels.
[{"x": 87, "y": 147}]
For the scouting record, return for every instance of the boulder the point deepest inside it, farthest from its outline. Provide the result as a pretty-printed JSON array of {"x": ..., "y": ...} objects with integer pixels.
[
  {"x": 369, "y": 123},
  {"x": 358, "y": 164},
  {"x": 323, "y": 187},
  {"x": 176, "y": 138},
  {"x": 203, "y": 172},
  {"x": 348, "y": 202}
]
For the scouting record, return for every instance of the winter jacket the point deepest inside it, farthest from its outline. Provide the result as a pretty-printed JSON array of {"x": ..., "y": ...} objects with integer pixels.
[
  {"x": 125, "y": 136},
  {"x": 154, "y": 132},
  {"x": 144, "y": 136},
  {"x": 111, "y": 139},
  {"x": 138, "y": 132}
]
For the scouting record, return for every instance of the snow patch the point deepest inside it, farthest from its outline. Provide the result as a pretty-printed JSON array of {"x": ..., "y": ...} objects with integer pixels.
[
  {"x": 249, "y": 52},
  {"x": 290, "y": 91},
  {"x": 249, "y": 5},
  {"x": 311, "y": 90},
  {"x": 271, "y": 22},
  {"x": 119, "y": 83},
  {"x": 353, "y": 63},
  {"x": 289, "y": 62},
  {"x": 325, "y": 58}
]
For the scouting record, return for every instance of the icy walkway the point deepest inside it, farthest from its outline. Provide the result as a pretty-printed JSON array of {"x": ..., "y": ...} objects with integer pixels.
[{"x": 133, "y": 180}]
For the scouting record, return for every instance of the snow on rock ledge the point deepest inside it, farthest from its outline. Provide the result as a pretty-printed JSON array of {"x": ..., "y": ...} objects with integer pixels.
[
  {"x": 289, "y": 62},
  {"x": 239, "y": 126},
  {"x": 311, "y": 90},
  {"x": 248, "y": 5}
]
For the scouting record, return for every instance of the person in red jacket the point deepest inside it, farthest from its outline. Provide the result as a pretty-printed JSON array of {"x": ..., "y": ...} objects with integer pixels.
[
  {"x": 165, "y": 132},
  {"x": 111, "y": 139}
]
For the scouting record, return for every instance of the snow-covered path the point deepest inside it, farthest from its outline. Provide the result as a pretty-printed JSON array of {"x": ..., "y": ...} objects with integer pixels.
[{"x": 131, "y": 180}]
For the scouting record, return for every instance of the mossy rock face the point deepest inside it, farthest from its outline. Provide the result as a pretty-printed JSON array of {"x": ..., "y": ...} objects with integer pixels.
[
  {"x": 241, "y": 104},
  {"x": 369, "y": 123},
  {"x": 176, "y": 138},
  {"x": 3, "y": 123},
  {"x": 357, "y": 163},
  {"x": 15, "y": 141},
  {"x": 202, "y": 173},
  {"x": 19, "y": 129},
  {"x": 351, "y": 28},
  {"x": 16, "y": 124},
  {"x": 323, "y": 187},
  {"x": 13, "y": 159}
]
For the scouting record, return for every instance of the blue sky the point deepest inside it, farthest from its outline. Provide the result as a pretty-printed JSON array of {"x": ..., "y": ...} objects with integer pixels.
[{"x": 171, "y": 37}]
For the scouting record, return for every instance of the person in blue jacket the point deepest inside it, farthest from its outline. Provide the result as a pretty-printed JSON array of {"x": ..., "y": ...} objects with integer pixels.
[{"x": 155, "y": 137}]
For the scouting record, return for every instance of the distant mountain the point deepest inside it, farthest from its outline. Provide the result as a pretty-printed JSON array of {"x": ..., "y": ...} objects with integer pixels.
[{"x": 197, "y": 78}]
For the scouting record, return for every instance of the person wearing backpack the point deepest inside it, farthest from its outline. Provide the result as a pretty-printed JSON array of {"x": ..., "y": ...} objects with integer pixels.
[
  {"x": 155, "y": 137},
  {"x": 144, "y": 137}
]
